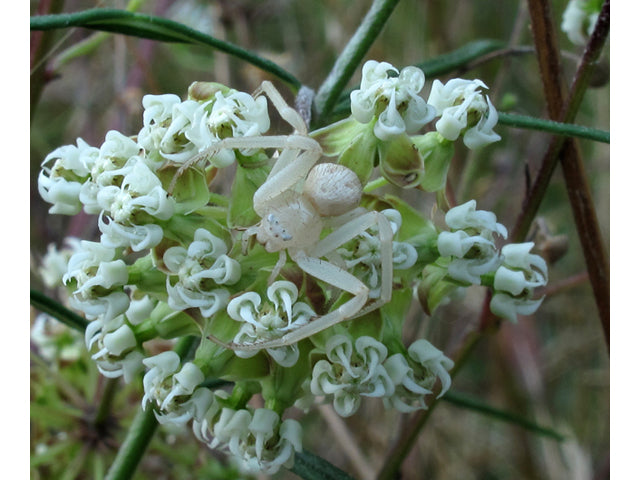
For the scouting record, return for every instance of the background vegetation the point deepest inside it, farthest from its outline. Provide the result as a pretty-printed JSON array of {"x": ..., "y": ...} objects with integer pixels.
[{"x": 551, "y": 369}]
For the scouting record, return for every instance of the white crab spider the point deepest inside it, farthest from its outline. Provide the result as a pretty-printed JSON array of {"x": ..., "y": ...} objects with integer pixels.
[{"x": 297, "y": 200}]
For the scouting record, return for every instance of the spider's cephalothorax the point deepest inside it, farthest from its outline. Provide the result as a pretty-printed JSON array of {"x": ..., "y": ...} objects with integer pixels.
[{"x": 294, "y": 220}]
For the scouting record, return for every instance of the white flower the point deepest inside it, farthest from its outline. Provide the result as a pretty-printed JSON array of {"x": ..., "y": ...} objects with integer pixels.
[
  {"x": 105, "y": 307},
  {"x": 506, "y": 306},
  {"x": 201, "y": 269},
  {"x": 462, "y": 108},
  {"x": 63, "y": 172},
  {"x": 250, "y": 438},
  {"x": 138, "y": 237},
  {"x": 415, "y": 375},
  {"x": 54, "y": 262},
  {"x": 140, "y": 191},
  {"x": 140, "y": 309},
  {"x": 408, "y": 395},
  {"x": 515, "y": 280},
  {"x": 471, "y": 242},
  {"x": 264, "y": 321},
  {"x": 118, "y": 154},
  {"x": 466, "y": 216},
  {"x": 434, "y": 363},
  {"x": 393, "y": 99},
  {"x": 234, "y": 114},
  {"x": 206, "y": 412},
  {"x": 155, "y": 119},
  {"x": 172, "y": 391},
  {"x": 577, "y": 20},
  {"x": 117, "y": 353},
  {"x": 95, "y": 270},
  {"x": 350, "y": 373},
  {"x": 54, "y": 340},
  {"x": 363, "y": 257}
]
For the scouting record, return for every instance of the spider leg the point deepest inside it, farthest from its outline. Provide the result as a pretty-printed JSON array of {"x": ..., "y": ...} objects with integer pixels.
[
  {"x": 330, "y": 274},
  {"x": 339, "y": 278},
  {"x": 290, "y": 169},
  {"x": 288, "y": 114}
]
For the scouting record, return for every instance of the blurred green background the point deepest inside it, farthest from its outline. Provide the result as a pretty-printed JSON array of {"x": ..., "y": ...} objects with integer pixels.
[{"x": 552, "y": 368}]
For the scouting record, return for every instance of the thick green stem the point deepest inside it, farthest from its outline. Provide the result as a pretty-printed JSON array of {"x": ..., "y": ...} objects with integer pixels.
[
  {"x": 141, "y": 430},
  {"x": 351, "y": 56},
  {"x": 106, "y": 401},
  {"x": 58, "y": 311}
]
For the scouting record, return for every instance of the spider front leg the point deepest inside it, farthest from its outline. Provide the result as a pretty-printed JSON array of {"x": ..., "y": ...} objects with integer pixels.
[{"x": 288, "y": 114}]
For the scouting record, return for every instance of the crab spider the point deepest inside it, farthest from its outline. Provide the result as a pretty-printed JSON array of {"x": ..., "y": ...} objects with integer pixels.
[{"x": 299, "y": 198}]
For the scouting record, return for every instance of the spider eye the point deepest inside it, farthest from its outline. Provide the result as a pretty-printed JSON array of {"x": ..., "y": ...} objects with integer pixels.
[{"x": 276, "y": 229}]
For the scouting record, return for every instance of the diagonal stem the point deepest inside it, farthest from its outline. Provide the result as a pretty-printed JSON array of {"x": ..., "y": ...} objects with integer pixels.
[
  {"x": 566, "y": 150},
  {"x": 353, "y": 52}
]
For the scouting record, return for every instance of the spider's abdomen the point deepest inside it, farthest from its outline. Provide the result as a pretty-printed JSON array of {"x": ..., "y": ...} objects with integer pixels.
[
  {"x": 333, "y": 189},
  {"x": 293, "y": 223}
]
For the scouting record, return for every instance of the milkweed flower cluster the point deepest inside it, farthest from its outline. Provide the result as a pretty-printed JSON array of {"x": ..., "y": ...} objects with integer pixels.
[
  {"x": 473, "y": 254},
  {"x": 273, "y": 312}
]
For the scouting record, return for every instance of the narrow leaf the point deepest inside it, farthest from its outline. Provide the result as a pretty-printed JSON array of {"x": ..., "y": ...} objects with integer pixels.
[
  {"x": 311, "y": 467},
  {"x": 564, "y": 129},
  {"x": 469, "y": 403},
  {"x": 458, "y": 59},
  {"x": 155, "y": 28},
  {"x": 58, "y": 311},
  {"x": 352, "y": 55}
]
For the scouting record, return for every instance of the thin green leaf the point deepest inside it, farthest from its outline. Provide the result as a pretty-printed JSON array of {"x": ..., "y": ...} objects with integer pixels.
[
  {"x": 311, "y": 467},
  {"x": 155, "y": 28},
  {"x": 469, "y": 403},
  {"x": 458, "y": 59},
  {"x": 564, "y": 129},
  {"x": 49, "y": 306},
  {"x": 352, "y": 55}
]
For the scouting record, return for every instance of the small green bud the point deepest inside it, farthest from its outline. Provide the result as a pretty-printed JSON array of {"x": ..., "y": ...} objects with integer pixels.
[
  {"x": 436, "y": 152},
  {"x": 203, "y": 91},
  {"x": 401, "y": 162}
]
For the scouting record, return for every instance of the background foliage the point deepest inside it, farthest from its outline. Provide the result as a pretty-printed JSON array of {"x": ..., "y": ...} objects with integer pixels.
[{"x": 552, "y": 369}]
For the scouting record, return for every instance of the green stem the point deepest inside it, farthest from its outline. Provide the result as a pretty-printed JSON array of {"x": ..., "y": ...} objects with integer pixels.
[
  {"x": 351, "y": 56},
  {"x": 106, "y": 401},
  {"x": 49, "y": 306},
  {"x": 373, "y": 184},
  {"x": 155, "y": 28},
  {"x": 141, "y": 430},
  {"x": 558, "y": 128}
]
